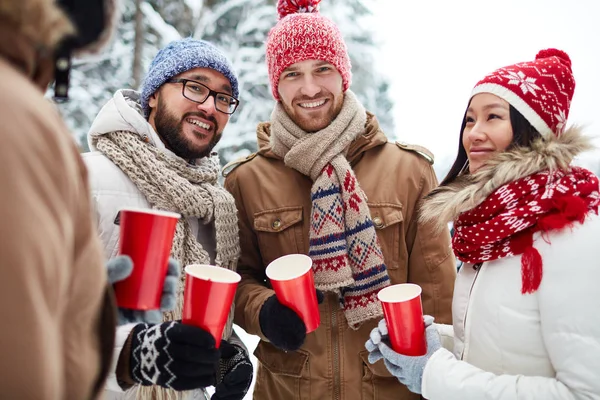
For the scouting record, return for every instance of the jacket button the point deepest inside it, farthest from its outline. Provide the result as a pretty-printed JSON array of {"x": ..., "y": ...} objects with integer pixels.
[
  {"x": 277, "y": 224},
  {"x": 378, "y": 222}
]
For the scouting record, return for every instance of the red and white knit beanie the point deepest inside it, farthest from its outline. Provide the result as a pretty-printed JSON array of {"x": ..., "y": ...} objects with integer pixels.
[
  {"x": 302, "y": 33},
  {"x": 541, "y": 90}
]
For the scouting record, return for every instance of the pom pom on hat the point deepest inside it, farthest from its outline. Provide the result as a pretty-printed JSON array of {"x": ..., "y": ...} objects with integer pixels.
[
  {"x": 302, "y": 33},
  {"x": 286, "y": 7},
  {"x": 540, "y": 90},
  {"x": 562, "y": 56}
]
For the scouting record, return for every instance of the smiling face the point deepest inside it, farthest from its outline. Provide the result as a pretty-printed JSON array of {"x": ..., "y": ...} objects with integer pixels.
[
  {"x": 487, "y": 129},
  {"x": 189, "y": 129},
  {"x": 311, "y": 94}
]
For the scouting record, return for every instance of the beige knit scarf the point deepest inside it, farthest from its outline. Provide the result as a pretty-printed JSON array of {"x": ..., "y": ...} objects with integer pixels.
[
  {"x": 343, "y": 244},
  {"x": 172, "y": 184}
]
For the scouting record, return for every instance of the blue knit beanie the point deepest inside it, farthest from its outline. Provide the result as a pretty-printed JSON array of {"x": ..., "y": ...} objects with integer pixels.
[{"x": 180, "y": 56}]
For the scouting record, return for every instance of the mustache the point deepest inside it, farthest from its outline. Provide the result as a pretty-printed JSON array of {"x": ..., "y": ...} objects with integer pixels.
[
  {"x": 321, "y": 94},
  {"x": 202, "y": 115}
]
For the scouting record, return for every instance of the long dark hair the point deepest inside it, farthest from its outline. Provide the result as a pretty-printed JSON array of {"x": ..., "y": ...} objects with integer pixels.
[{"x": 523, "y": 134}]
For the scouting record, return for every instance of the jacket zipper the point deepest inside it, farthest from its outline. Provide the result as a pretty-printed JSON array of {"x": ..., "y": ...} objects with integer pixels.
[
  {"x": 477, "y": 268},
  {"x": 336, "y": 355}
]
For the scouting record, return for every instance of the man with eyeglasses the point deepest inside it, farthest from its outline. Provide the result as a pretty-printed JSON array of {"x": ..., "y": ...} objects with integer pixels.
[{"x": 153, "y": 149}]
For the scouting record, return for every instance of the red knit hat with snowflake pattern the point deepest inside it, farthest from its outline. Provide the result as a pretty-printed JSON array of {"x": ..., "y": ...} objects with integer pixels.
[
  {"x": 541, "y": 90},
  {"x": 302, "y": 33}
]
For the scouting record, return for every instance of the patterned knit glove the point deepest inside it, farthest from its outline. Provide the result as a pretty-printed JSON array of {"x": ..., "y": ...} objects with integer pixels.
[
  {"x": 235, "y": 371},
  {"x": 281, "y": 325},
  {"x": 120, "y": 267},
  {"x": 408, "y": 369},
  {"x": 173, "y": 355}
]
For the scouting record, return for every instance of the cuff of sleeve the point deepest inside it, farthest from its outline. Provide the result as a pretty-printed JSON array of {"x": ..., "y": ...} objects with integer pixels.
[
  {"x": 264, "y": 296},
  {"x": 121, "y": 336},
  {"x": 429, "y": 380},
  {"x": 446, "y": 335}
]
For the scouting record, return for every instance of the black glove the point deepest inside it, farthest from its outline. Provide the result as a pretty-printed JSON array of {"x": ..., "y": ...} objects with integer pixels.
[
  {"x": 235, "y": 370},
  {"x": 173, "y": 355},
  {"x": 281, "y": 325}
]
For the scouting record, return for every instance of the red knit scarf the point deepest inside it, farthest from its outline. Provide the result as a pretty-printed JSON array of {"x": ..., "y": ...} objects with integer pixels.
[{"x": 504, "y": 223}]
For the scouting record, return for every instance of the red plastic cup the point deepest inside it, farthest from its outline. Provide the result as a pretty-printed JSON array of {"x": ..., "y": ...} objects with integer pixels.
[
  {"x": 293, "y": 280},
  {"x": 403, "y": 313},
  {"x": 207, "y": 297},
  {"x": 146, "y": 236}
]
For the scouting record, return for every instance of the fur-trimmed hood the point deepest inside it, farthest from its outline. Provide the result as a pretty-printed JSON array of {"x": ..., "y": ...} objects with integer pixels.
[
  {"x": 40, "y": 22},
  {"x": 89, "y": 40},
  {"x": 445, "y": 203},
  {"x": 29, "y": 33}
]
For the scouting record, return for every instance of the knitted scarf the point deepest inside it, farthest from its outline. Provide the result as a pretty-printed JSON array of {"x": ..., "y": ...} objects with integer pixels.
[
  {"x": 170, "y": 183},
  {"x": 343, "y": 244},
  {"x": 504, "y": 223},
  {"x": 516, "y": 195}
]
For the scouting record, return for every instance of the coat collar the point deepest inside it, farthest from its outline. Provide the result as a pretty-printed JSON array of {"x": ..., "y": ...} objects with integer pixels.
[
  {"x": 372, "y": 137},
  {"x": 467, "y": 191}
]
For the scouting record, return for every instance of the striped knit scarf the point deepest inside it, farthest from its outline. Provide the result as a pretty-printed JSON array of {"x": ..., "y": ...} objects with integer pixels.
[
  {"x": 346, "y": 255},
  {"x": 170, "y": 183}
]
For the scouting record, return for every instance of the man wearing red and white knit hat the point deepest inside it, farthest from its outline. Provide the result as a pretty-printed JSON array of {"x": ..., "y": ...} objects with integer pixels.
[{"x": 325, "y": 182}]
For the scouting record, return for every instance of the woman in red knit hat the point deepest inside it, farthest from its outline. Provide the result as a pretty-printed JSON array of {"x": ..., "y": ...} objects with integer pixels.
[{"x": 525, "y": 307}]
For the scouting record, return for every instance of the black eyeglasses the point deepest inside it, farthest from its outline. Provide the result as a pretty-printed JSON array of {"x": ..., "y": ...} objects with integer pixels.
[{"x": 198, "y": 93}]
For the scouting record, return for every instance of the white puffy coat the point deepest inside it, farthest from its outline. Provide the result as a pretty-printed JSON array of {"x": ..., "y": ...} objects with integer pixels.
[
  {"x": 112, "y": 190},
  {"x": 543, "y": 346}
]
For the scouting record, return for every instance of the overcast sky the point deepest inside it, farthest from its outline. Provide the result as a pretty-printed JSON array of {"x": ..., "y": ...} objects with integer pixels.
[{"x": 435, "y": 51}]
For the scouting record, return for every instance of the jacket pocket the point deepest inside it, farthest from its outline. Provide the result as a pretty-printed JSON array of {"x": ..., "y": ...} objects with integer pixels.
[
  {"x": 378, "y": 383},
  {"x": 279, "y": 232},
  {"x": 281, "y": 375},
  {"x": 387, "y": 219}
]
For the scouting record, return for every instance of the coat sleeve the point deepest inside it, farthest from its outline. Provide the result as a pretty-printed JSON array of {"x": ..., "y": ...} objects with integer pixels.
[
  {"x": 570, "y": 324},
  {"x": 122, "y": 334},
  {"x": 431, "y": 263},
  {"x": 252, "y": 291},
  {"x": 446, "y": 335}
]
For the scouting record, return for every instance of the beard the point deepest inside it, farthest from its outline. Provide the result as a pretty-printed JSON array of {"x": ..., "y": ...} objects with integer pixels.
[
  {"x": 314, "y": 124},
  {"x": 170, "y": 130}
]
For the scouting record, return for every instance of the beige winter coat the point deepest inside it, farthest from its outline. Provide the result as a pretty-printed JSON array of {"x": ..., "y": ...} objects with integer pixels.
[
  {"x": 57, "y": 316},
  {"x": 274, "y": 208}
]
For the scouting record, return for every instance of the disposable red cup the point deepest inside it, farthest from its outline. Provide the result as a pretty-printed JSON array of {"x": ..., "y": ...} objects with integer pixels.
[
  {"x": 293, "y": 280},
  {"x": 146, "y": 236},
  {"x": 403, "y": 313},
  {"x": 207, "y": 297}
]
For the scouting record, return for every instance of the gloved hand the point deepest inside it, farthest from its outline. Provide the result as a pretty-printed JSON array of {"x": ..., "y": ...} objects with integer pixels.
[
  {"x": 408, "y": 369},
  {"x": 173, "y": 355},
  {"x": 281, "y": 325},
  {"x": 120, "y": 267},
  {"x": 235, "y": 372}
]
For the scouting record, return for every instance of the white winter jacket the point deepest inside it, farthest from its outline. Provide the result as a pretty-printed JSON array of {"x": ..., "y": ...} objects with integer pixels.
[
  {"x": 112, "y": 190},
  {"x": 511, "y": 346},
  {"x": 543, "y": 346}
]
